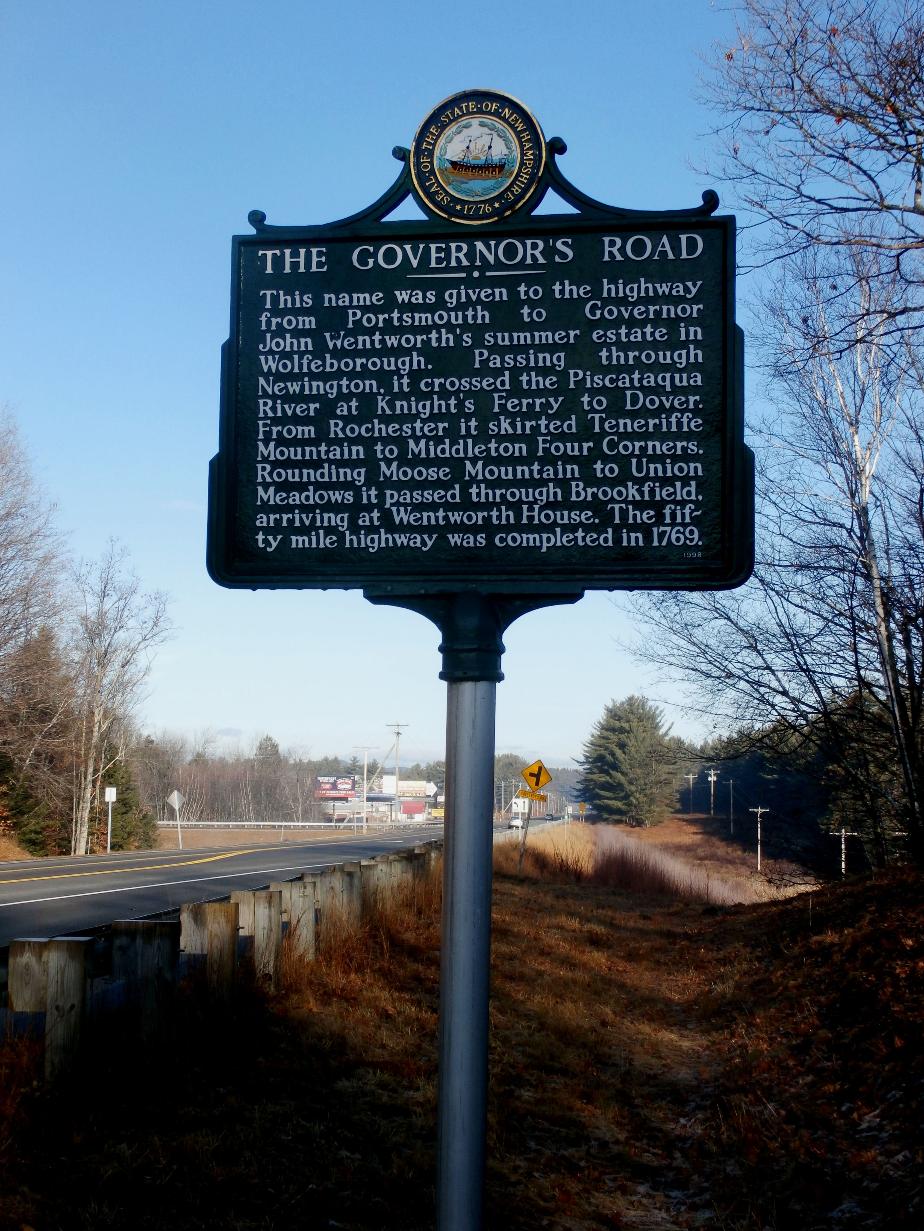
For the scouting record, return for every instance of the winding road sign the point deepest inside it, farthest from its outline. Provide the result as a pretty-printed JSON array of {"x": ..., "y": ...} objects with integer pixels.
[{"x": 536, "y": 775}]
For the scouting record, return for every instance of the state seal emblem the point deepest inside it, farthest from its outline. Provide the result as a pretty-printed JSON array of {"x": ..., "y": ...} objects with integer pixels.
[{"x": 477, "y": 157}]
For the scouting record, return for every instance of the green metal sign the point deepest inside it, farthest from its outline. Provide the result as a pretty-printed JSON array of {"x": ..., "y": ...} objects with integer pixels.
[{"x": 490, "y": 400}]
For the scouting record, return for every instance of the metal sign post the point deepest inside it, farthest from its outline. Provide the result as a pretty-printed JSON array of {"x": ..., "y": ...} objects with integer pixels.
[
  {"x": 466, "y": 952},
  {"x": 473, "y": 416},
  {"x": 472, "y": 626},
  {"x": 110, "y": 798},
  {"x": 176, "y": 799}
]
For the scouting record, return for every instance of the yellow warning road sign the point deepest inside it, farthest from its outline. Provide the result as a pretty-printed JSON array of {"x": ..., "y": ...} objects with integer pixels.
[
  {"x": 536, "y": 775},
  {"x": 521, "y": 794}
]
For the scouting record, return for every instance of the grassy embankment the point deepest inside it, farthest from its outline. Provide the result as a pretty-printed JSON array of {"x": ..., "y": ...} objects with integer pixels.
[
  {"x": 658, "y": 1061},
  {"x": 12, "y": 850}
]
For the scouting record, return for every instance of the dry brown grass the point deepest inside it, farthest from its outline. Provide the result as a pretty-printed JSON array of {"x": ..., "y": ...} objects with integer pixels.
[
  {"x": 655, "y": 1064},
  {"x": 12, "y": 850},
  {"x": 609, "y": 855},
  {"x": 703, "y": 842}
]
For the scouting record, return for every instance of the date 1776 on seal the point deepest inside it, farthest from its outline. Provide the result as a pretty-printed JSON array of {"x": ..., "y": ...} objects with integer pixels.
[{"x": 477, "y": 157}]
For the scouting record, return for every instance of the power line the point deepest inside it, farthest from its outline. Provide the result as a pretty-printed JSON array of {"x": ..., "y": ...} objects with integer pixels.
[
  {"x": 760, "y": 812},
  {"x": 397, "y": 727},
  {"x": 691, "y": 778},
  {"x": 712, "y": 775}
]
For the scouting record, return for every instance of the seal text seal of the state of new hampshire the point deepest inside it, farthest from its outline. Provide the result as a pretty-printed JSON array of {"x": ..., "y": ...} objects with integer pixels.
[{"x": 477, "y": 157}]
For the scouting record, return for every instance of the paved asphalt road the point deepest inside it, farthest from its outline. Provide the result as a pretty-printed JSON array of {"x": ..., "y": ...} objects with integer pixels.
[{"x": 57, "y": 896}]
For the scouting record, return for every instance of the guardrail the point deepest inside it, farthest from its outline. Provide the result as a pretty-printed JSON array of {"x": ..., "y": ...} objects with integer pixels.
[
  {"x": 57, "y": 988},
  {"x": 377, "y": 823}
]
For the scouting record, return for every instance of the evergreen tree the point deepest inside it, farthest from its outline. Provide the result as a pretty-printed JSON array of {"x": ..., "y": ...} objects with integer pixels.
[
  {"x": 133, "y": 827},
  {"x": 435, "y": 771},
  {"x": 626, "y": 769},
  {"x": 267, "y": 750},
  {"x": 36, "y": 723}
]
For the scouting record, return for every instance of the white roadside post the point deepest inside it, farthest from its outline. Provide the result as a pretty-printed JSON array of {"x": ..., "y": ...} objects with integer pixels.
[
  {"x": 365, "y": 751},
  {"x": 712, "y": 776},
  {"x": 110, "y": 798},
  {"x": 176, "y": 800},
  {"x": 760, "y": 812}
]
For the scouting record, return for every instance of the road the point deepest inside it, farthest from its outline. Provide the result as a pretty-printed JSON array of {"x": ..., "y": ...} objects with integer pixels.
[{"x": 62, "y": 895}]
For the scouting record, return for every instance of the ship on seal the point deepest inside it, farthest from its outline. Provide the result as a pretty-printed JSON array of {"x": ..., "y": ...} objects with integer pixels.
[{"x": 477, "y": 162}]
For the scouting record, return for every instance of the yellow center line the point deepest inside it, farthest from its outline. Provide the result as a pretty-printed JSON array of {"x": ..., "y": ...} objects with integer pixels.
[{"x": 150, "y": 867}]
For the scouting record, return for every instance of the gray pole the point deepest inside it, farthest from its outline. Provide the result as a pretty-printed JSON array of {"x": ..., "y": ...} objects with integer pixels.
[
  {"x": 760, "y": 812},
  {"x": 397, "y": 727},
  {"x": 731, "y": 807},
  {"x": 712, "y": 775},
  {"x": 365, "y": 789},
  {"x": 466, "y": 952},
  {"x": 471, "y": 625}
]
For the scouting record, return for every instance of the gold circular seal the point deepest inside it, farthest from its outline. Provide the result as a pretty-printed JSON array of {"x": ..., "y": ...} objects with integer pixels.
[{"x": 477, "y": 157}]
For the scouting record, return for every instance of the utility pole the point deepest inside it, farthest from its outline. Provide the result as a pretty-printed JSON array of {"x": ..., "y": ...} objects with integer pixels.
[
  {"x": 760, "y": 812},
  {"x": 712, "y": 775},
  {"x": 845, "y": 834},
  {"x": 691, "y": 778},
  {"x": 731, "y": 807},
  {"x": 397, "y": 727},
  {"x": 364, "y": 749}
]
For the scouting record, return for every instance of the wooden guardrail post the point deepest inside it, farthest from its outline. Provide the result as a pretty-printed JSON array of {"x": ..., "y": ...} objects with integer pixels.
[
  {"x": 27, "y": 974},
  {"x": 65, "y": 1002},
  {"x": 369, "y": 878},
  {"x": 303, "y": 902},
  {"x": 332, "y": 893},
  {"x": 144, "y": 956},
  {"x": 383, "y": 877},
  {"x": 27, "y": 986},
  {"x": 352, "y": 893},
  {"x": 399, "y": 870},
  {"x": 208, "y": 935},
  {"x": 330, "y": 903},
  {"x": 245, "y": 921},
  {"x": 284, "y": 889},
  {"x": 267, "y": 934}
]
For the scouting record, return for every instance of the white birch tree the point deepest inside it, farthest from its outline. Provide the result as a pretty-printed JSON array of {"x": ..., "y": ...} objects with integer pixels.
[{"x": 117, "y": 629}]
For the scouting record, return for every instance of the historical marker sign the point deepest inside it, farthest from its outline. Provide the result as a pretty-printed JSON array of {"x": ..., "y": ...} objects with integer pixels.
[
  {"x": 489, "y": 400},
  {"x": 473, "y": 416}
]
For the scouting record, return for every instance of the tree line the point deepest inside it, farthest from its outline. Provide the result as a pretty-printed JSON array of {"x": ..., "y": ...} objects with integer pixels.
[
  {"x": 263, "y": 784},
  {"x": 814, "y": 671},
  {"x": 76, "y": 640},
  {"x": 634, "y": 772},
  {"x": 819, "y": 660}
]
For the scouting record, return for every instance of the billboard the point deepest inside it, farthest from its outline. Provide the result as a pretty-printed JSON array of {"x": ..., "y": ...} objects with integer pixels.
[{"x": 330, "y": 786}]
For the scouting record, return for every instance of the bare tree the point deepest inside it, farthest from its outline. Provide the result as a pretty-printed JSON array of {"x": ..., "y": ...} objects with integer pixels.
[
  {"x": 117, "y": 629},
  {"x": 29, "y": 547},
  {"x": 822, "y": 106},
  {"x": 36, "y": 693},
  {"x": 827, "y": 642}
]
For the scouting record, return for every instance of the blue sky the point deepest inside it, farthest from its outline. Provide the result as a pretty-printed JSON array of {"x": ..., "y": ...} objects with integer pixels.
[{"x": 136, "y": 138}]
